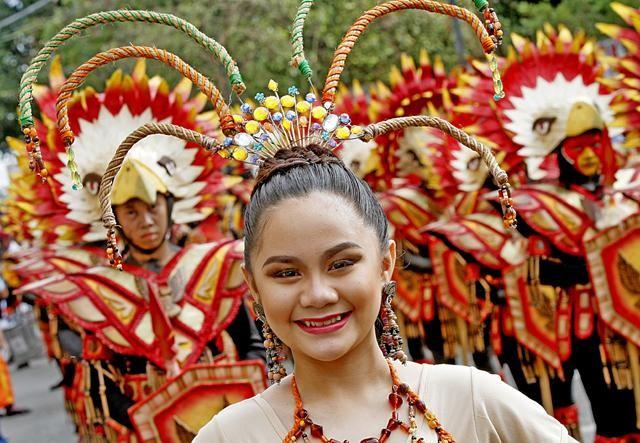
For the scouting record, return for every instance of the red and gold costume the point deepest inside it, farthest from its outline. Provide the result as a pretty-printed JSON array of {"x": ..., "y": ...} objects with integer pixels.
[
  {"x": 144, "y": 353},
  {"x": 561, "y": 120}
]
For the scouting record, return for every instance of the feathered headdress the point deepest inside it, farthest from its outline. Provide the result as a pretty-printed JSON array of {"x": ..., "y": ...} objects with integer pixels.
[
  {"x": 101, "y": 120},
  {"x": 552, "y": 91},
  {"x": 627, "y": 83}
]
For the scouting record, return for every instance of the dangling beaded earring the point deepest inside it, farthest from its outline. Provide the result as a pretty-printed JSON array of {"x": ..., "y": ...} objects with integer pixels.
[
  {"x": 273, "y": 346},
  {"x": 390, "y": 340}
]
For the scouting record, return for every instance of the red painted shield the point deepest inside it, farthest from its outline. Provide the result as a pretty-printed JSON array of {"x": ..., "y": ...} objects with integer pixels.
[
  {"x": 176, "y": 412},
  {"x": 614, "y": 264}
]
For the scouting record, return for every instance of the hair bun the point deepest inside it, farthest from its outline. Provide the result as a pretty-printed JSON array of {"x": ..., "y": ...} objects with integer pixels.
[{"x": 286, "y": 159}]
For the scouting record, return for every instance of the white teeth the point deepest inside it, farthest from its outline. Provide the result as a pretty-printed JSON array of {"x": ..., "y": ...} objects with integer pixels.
[{"x": 317, "y": 324}]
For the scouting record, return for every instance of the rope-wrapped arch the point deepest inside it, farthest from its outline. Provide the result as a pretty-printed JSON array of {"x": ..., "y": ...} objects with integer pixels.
[
  {"x": 499, "y": 175},
  {"x": 124, "y": 15},
  {"x": 298, "y": 60},
  {"x": 395, "y": 124},
  {"x": 80, "y": 74},
  {"x": 77, "y": 78},
  {"x": 357, "y": 29}
]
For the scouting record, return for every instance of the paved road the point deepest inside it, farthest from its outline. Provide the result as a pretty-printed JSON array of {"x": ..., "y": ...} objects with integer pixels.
[{"x": 48, "y": 421}]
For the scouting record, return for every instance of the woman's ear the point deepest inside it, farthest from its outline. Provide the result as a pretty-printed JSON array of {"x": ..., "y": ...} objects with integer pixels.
[
  {"x": 389, "y": 261},
  {"x": 251, "y": 283}
]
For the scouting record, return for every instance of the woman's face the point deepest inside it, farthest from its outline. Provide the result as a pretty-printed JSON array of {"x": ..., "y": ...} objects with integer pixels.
[{"x": 318, "y": 271}]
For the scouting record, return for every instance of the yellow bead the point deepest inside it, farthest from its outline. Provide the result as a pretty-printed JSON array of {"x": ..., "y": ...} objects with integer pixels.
[
  {"x": 303, "y": 107},
  {"x": 261, "y": 113},
  {"x": 240, "y": 154},
  {"x": 223, "y": 153},
  {"x": 356, "y": 130},
  {"x": 273, "y": 85},
  {"x": 271, "y": 102},
  {"x": 287, "y": 101},
  {"x": 237, "y": 118},
  {"x": 319, "y": 112},
  {"x": 252, "y": 127},
  {"x": 286, "y": 124},
  {"x": 343, "y": 133}
]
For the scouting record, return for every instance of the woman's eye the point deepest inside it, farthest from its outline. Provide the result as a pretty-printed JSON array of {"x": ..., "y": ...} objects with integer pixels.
[
  {"x": 286, "y": 273},
  {"x": 340, "y": 264}
]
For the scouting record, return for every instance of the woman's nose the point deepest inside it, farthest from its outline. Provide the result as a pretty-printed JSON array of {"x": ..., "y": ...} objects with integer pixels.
[{"x": 318, "y": 294}]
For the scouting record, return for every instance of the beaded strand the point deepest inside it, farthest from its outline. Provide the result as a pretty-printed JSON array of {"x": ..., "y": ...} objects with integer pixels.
[{"x": 302, "y": 420}]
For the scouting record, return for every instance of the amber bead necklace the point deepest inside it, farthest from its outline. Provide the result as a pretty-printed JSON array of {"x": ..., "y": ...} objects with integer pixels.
[{"x": 304, "y": 428}]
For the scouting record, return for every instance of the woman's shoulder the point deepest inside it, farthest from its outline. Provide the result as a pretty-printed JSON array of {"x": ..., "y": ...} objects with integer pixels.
[
  {"x": 230, "y": 424},
  {"x": 497, "y": 411},
  {"x": 460, "y": 377},
  {"x": 469, "y": 384}
]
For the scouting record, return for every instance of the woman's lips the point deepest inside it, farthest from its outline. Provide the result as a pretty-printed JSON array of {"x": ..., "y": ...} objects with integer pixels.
[{"x": 324, "y": 325}]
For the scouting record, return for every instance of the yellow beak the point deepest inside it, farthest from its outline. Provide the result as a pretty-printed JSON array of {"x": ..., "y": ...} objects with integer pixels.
[
  {"x": 136, "y": 180},
  {"x": 583, "y": 117}
]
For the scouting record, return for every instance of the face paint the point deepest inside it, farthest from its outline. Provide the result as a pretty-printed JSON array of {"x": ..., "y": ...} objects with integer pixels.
[{"x": 585, "y": 152}]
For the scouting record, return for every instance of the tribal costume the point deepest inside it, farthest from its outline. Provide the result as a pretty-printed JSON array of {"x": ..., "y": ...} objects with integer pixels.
[
  {"x": 559, "y": 119},
  {"x": 118, "y": 334}
]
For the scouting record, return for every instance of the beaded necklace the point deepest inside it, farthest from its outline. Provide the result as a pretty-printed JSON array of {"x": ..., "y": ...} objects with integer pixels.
[{"x": 304, "y": 428}]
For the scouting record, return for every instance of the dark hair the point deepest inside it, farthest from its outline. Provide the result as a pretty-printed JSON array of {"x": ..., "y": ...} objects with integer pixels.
[{"x": 299, "y": 171}]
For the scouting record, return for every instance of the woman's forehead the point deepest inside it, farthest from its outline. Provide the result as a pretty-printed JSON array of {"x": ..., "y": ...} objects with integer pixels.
[{"x": 312, "y": 222}]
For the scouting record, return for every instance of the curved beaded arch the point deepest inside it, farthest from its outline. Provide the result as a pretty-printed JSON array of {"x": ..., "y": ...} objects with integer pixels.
[
  {"x": 357, "y": 29},
  {"x": 78, "y": 77},
  {"x": 499, "y": 175}
]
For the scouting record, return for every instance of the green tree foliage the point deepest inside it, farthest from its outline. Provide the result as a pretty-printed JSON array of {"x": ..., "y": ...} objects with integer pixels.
[{"x": 256, "y": 33}]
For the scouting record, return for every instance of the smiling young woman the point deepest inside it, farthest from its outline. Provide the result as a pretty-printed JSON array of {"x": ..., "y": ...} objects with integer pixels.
[{"x": 318, "y": 260}]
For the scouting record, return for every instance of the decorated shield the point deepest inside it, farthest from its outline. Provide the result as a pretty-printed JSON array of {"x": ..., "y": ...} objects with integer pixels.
[
  {"x": 454, "y": 291},
  {"x": 614, "y": 264},
  {"x": 176, "y": 412},
  {"x": 534, "y": 311}
]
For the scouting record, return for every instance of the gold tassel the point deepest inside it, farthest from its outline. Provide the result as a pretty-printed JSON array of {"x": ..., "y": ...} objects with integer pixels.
[
  {"x": 102, "y": 389},
  {"x": 635, "y": 373},
  {"x": 527, "y": 365},
  {"x": 545, "y": 385},
  {"x": 448, "y": 330}
]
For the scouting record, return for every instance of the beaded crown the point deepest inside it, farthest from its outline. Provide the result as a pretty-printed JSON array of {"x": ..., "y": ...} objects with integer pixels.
[{"x": 281, "y": 122}]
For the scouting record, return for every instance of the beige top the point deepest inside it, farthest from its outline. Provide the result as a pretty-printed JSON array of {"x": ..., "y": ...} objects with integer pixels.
[{"x": 474, "y": 406}]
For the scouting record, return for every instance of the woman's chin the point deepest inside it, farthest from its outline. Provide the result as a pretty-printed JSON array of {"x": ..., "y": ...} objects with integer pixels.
[
  {"x": 325, "y": 350},
  {"x": 326, "y": 355}
]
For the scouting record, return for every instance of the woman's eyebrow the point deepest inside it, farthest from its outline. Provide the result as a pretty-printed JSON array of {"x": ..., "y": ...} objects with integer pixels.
[
  {"x": 328, "y": 253},
  {"x": 278, "y": 259},
  {"x": 340, "y": 247}
]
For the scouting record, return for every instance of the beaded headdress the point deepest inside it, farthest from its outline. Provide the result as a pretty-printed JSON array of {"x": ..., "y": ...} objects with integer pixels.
[{"x": 280, "y": 121}]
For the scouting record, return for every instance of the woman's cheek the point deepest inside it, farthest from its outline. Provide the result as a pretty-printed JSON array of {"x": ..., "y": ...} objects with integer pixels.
[{"x": 278, "y": 301}]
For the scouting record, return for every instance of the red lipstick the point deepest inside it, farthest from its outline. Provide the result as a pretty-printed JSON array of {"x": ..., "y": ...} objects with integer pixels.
[{"x": 324, "y": 325}]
